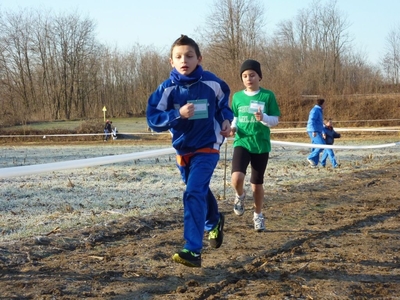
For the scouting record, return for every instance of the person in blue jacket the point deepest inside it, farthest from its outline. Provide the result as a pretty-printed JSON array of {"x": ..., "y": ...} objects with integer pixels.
[
  {"x": 330, "y": 136},
  {"x": 315, "y": 130},
  {"x": 193, "y": 104}
]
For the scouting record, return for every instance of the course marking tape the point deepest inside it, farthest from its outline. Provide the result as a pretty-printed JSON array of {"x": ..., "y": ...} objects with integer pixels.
[{"x": 90, "y": 162}]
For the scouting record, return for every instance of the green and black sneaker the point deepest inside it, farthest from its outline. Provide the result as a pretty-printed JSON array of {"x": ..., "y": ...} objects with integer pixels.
[
  {"x": 216, "y": 236},
  {"x": 188, "y": 258}
]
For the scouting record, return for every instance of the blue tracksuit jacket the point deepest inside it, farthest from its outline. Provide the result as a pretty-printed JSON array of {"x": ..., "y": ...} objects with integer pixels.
[
  {"x": 315, "y": 121},
  {"x": 189, "y": 135}
]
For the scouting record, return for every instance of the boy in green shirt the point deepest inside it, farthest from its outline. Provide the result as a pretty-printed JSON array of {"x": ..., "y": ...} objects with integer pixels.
[{"x": 255, "y": 110}]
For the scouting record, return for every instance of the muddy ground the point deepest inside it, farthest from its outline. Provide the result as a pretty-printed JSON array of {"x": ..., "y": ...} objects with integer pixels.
[{"x": 337, "y": 237}]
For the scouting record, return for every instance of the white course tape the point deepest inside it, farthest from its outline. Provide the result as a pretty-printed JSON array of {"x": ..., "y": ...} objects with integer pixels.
[
  {"x": 78, "y": 134},
  {"x": 301, "y": 130},
  {"x": 305, "y": 145},
  {"x": 79, "y": 163},
  {"x": 90, "y": 162}
]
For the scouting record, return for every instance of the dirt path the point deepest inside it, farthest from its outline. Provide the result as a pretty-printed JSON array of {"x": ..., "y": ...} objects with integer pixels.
[{"x": 332, "y": 239}]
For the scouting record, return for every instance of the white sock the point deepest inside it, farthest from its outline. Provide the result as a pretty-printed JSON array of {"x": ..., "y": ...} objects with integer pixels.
[
  {"x": 240, "y": 197},
  {"x": 256, "y": 215}
]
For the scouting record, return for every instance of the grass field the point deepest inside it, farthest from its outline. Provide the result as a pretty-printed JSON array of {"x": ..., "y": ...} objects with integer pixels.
[{"x": 122, "y": 124}]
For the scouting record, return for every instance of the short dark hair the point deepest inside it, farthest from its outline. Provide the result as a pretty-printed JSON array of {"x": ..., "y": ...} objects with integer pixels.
[
  {"x": 320, "y": 101},
  {"x": 184, "y": 40}
]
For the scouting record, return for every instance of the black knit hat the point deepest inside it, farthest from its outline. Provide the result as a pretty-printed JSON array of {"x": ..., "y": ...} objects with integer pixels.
[{"x": 251, "y": 64}]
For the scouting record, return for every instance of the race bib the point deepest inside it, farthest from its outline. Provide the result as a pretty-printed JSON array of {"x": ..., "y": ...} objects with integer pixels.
[
  {"x": 254, "y": 105},
  {"x": 200, "y": 109}
]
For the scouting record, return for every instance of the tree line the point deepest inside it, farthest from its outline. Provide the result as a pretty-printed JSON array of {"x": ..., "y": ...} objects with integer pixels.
[{"x": 52, "y": 67}]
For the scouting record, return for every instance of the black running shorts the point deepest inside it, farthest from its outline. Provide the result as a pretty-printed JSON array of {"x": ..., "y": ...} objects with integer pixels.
[{"x": 242, "y": 158}]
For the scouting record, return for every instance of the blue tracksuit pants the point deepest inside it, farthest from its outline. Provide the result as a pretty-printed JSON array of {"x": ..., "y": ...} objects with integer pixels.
[
  {"x": 314, "y": 155},
  {"x": 328, "y": 153},
  {"x": 200, "y": 206}
]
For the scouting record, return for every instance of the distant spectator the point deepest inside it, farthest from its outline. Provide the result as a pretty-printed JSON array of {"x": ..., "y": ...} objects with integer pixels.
[
  {"x": 107, "y": 130},
  {"x": 114, "y": 133},
  {"x": 315, "y": 129},
  {"x": 330, "y": 136}
]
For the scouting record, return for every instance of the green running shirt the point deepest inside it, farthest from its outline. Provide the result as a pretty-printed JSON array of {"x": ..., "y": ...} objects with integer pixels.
[{"x": 252, "y": 134}]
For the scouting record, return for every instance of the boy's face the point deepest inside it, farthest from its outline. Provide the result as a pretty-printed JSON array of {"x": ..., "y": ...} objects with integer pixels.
[
  {"x": 184, "y": 59},
  {"x": 251, "y": 80}
]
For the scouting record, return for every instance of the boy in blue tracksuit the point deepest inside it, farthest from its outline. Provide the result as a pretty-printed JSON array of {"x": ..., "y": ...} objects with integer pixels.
[
  {"x": 193, "y": 105},
  {"x": 330, "y": 136}
]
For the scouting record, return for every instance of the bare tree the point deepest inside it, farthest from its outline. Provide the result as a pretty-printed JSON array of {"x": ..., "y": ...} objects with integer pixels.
[
  {"x": 127, "y": 79},
  {"x": 233, "y": 32},
  {"x": 153, "y": 68},
  {"x": 316, "y": 40},
  {"x": 391, "y": 59},
  {"x": 74, "y": 43},
  {"x": 47, "y": 62},
  {"x": 16, "y": 43}
]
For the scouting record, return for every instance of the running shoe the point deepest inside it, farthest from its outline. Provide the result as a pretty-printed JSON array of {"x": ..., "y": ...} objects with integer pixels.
[
  {"x": 216, "y": 235},
  {"x": 187, "y": 258},
  {"x": 238, "y": 207},
  {"x": 259, "y": 224}
]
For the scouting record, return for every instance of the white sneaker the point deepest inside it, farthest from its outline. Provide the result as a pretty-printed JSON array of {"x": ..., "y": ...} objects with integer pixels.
[
  {"x": 259, "y": 223},
  {"x": 238, "y": 207},
  {"x": 312, "y": 163}
]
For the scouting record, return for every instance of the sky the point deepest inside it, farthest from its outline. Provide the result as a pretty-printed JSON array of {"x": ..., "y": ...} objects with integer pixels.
[{"x": 124, "y": 23}]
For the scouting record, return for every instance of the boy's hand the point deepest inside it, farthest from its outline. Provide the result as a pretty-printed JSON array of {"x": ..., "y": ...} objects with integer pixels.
[
  {"x": 259, "y": 114},
  {"x": 233, "y": 131},
  {"x": 187, "y": 111},
  {"x": 226, "y": 128}
]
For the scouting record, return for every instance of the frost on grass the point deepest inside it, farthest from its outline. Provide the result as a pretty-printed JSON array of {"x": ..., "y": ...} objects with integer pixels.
[{"x": 36, "y": 204}]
